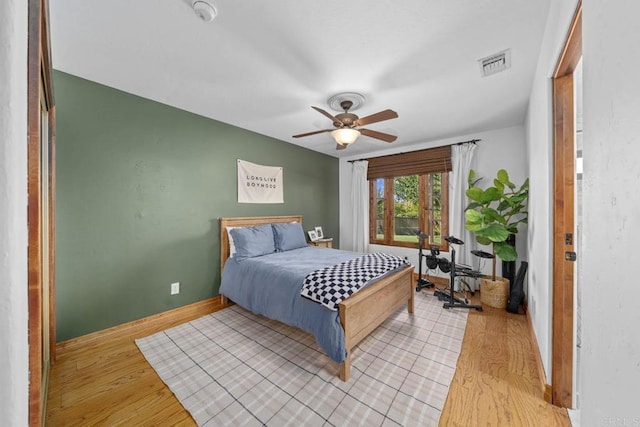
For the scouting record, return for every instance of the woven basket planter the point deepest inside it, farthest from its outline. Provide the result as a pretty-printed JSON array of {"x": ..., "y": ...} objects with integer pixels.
[{"x": 494, "y": 293}]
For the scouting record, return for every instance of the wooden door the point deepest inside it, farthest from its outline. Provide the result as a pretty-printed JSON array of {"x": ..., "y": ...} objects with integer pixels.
[
  {"x": 40, "y": 209},
  {"x": 562, "y": 362}
]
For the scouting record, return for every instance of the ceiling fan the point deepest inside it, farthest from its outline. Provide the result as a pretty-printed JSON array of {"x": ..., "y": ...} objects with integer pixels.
[{"x": 345, "y": 132}]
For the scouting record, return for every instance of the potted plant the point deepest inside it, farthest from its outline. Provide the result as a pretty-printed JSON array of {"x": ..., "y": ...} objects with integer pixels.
[{"x": 494, "y": 214}]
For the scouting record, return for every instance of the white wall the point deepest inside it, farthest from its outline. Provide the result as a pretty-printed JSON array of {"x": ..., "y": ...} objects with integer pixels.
[
  {"x": 501, "y": 148},
  {"x": 611, "y": 137},
  {"x": 14, "y": 353},
  {"x": 539, "y": 131},
  {"x": 610, "y": 354}
]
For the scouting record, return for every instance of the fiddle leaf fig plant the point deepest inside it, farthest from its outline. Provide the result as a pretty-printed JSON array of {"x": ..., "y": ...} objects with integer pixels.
[{"x": 496, "y": 212}]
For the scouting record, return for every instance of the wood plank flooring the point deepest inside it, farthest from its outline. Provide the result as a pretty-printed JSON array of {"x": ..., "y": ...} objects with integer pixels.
[
  {"x": 497, "y": 380},
  {"x": 108, "y": 382}
]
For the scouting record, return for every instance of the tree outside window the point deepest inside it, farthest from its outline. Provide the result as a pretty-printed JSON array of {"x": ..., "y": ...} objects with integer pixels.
[{"x": 402, "y": 205}]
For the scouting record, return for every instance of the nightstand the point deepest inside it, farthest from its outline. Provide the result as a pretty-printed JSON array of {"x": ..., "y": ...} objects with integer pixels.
[{"x": 327, "y": 242}]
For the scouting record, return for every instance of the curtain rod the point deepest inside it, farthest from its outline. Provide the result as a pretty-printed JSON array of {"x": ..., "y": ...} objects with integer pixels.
[{"x": 471, "y": 141}]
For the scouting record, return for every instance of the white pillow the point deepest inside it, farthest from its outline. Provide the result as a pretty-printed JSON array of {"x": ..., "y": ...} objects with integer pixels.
[{"x": 232, "y": 246}]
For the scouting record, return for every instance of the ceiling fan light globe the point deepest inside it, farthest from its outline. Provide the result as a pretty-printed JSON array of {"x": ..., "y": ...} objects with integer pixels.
[{"x": 345, "y": 136}]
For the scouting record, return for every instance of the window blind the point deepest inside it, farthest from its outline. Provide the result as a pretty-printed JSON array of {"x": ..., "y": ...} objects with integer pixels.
[{"x": 418, "y": 162}]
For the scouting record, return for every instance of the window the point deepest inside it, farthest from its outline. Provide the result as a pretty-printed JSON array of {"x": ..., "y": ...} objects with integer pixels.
[{"x": 409, "y": 192}]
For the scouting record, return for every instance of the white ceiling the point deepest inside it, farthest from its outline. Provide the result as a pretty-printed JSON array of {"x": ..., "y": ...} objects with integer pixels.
[{"x": 260, "y": 65}]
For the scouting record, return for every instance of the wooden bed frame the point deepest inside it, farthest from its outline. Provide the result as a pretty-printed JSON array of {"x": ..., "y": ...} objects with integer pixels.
[{"x": 362, "y": 312}]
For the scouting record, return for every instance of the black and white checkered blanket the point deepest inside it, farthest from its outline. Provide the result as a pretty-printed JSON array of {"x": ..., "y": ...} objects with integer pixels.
[{"x": 331, "y": 285}]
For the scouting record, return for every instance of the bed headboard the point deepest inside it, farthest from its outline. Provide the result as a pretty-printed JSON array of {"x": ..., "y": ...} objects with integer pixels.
[{"x": 246, "y": 221}]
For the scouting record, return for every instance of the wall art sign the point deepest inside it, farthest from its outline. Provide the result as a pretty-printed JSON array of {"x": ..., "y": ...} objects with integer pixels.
[{"x": 259, "y": 184}]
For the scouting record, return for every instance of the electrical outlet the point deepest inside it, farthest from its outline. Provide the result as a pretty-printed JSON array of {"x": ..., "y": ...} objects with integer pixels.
[{"x": 175, "y": 288}]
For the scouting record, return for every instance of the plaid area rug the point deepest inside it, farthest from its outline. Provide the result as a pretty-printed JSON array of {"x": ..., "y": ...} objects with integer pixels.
[{"x": 236, "y": 368}]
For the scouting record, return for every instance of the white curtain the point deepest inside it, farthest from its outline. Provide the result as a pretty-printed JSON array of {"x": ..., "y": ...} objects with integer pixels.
[
  {"x": 360, "y": 205},
  {"x": 461, "y": 163}
]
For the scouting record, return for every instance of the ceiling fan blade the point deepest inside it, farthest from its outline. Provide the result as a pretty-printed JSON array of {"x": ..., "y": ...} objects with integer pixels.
[
  {"x": 328, "y": 115},
  {"x": 378, "y": 135},
  {"x": 340, "y": 147},
  {"x": 312, "y": 133},
  {"x": 377, "y": 117}
]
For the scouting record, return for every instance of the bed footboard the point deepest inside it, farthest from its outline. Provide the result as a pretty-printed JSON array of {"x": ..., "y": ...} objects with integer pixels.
[{"x": 364, "y": 311}]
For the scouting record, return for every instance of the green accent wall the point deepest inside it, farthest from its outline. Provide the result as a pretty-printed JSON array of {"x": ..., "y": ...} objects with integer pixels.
[{"x": 140, "y": 188}]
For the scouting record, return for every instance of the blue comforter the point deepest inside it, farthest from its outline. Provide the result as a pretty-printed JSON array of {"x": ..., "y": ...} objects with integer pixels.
[{"x": 270, "y": 285}]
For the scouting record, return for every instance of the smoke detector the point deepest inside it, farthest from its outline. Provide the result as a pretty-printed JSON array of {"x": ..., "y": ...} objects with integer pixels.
[
  {"x": 495, "y": 63},
  {"x": 204, "y": 10}
]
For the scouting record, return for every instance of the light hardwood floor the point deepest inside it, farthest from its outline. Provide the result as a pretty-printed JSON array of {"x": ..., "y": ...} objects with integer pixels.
[
  {"x": 108, "y": 382},
  {"x": 497, "y": 380}
]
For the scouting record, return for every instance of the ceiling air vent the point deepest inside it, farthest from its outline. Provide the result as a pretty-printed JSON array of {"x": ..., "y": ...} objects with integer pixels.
[{"x": 495, "y": 63}]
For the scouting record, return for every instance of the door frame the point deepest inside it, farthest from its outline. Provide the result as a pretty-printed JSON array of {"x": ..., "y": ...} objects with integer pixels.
[
  {"x": 564, "y": 216},
  {"x": 39, "y": 94}
]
